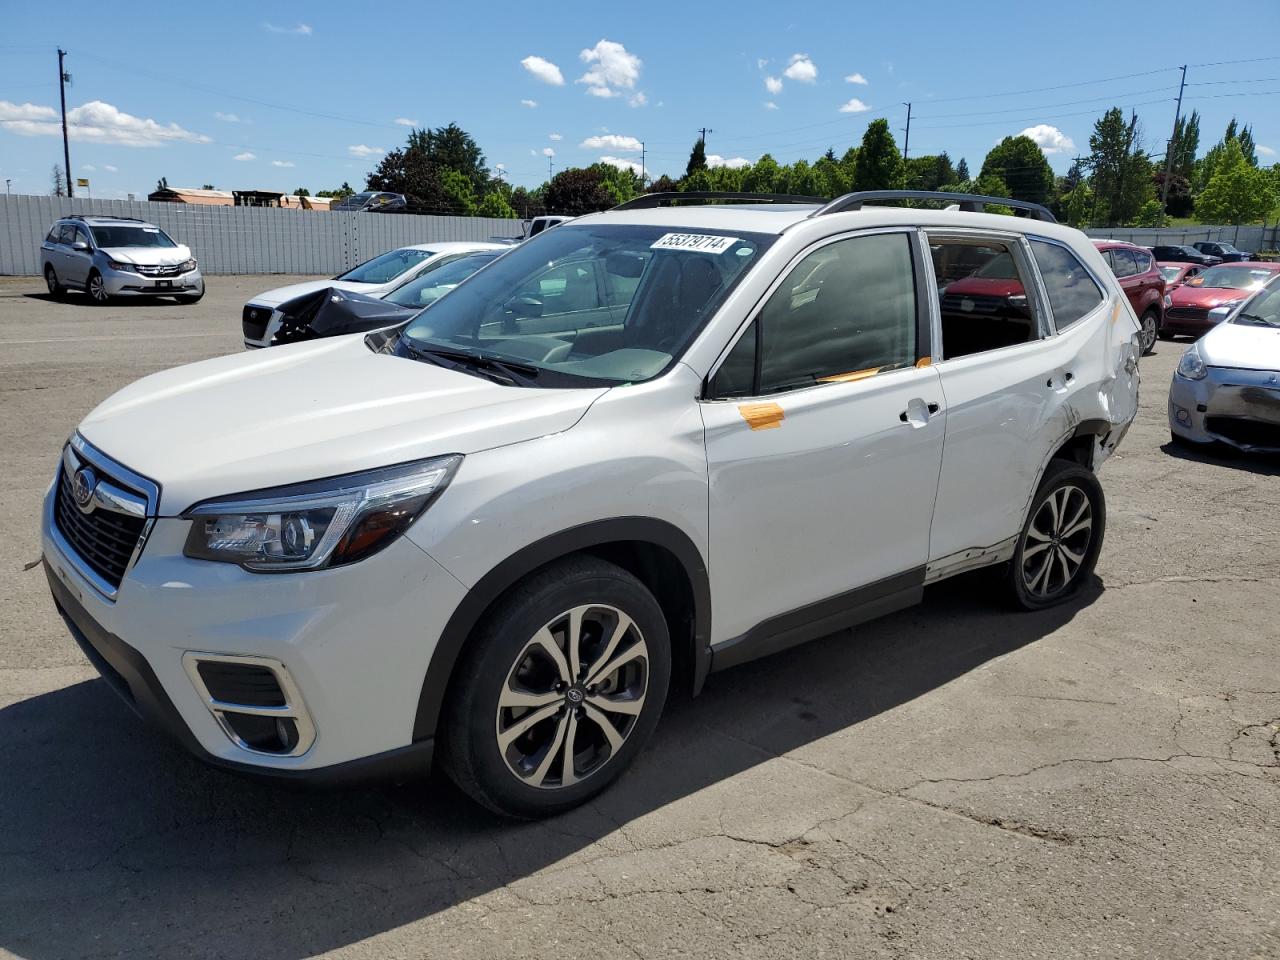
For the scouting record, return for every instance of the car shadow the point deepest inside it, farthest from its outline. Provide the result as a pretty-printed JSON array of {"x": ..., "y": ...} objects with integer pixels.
[
  {"x": 118, "y": 843},
  {"x": 1220, "y": 455},
  {"x": 75, "y": 298}
]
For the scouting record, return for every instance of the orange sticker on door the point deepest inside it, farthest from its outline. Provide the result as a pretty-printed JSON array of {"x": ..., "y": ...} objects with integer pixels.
[{"x": 761, "y": 416}]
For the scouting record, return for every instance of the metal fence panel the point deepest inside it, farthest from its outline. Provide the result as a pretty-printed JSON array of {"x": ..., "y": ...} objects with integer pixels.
[
  {"x": 1251, "y": 238},
  {"x": 243, "y": 239}
]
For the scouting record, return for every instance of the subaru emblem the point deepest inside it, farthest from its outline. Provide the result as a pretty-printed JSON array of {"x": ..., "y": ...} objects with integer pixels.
[{"x": 83, "y": 485}]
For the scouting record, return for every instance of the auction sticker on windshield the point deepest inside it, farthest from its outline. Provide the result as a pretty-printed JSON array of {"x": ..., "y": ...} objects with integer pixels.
[{"x": 699, "y": 242}]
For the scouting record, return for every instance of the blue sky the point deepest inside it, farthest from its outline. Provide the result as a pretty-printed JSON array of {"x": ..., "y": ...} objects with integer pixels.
[{"x": 279, "y": 96}]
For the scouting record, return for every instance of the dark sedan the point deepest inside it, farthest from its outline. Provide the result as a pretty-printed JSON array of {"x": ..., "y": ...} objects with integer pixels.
[
  {"x": 1181, "y": 254},
  {"x": 1225, "y": 251}
]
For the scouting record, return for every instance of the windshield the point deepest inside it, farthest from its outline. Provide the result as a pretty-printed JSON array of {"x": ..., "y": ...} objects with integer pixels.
[
  {"x": 139, "y": 236},
  {"x": 1232, "y": 278},
  {"x": 387, "y": 267},
  {"x": 1262, "y": 310},
  {"x": 606, "y": 304},
  {"x": 1170, "y": 273},
  {"x": 434, "y": 282}
]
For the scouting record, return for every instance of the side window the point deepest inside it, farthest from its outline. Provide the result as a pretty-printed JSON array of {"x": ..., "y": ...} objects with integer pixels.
[
  {"x": 67, "y": 234},
  {"x": 983, "y": 295},
  {"x": 54, "y": 231},
  {"x": 846, "y": 310},
  {"x": 1143, "y": 260},
  {"x": 1122, "y": 263},
  {"x": 1073, "y": 294},
  {"x": 567, "y": 288}
]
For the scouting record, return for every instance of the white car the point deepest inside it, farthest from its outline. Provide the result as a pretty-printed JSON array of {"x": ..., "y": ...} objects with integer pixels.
[
  {"x": 1226, "y": 389},
  {"x": 261, "y": 320},
  {"x": 642, "y": 447}
]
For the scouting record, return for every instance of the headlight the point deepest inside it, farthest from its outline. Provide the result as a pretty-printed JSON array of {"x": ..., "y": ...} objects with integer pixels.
[
  {"x": 1191, "y": 366},
  {"x": 324, "y": 523},
  {"x": 127, "y": 267},
  {"x": 189, "y": 265},
  {"x": 1168, "y": 301}
]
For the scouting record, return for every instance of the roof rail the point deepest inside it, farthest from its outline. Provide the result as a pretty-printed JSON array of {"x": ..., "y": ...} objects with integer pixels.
[
  {"x": 101, "y": 216},
  {"x": 971, "y": 202},
  {"x": 649, "y": 201}
]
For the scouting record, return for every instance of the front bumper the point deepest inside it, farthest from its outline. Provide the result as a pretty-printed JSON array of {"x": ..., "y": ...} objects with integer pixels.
[
  {"x": 356, "y": 640},
  {"x": 259, "y": 324},
  {"x": 120, "y": 283},
  {"x": 1240, "y": 408}
]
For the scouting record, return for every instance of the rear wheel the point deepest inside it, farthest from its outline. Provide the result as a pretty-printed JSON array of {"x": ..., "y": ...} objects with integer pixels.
[
  {"x": 558, "y": 690},
  {"x": 1061, "y": 539},
  {"x": 1150, "y": 331},
  {"x": 56, "y": 289},
  {"x": 97, "y": 288}
]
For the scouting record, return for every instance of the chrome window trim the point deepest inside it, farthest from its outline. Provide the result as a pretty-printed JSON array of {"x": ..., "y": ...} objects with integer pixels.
[
  {"x": 294, "y": 708},
  {"x": 77, "y": 453}
]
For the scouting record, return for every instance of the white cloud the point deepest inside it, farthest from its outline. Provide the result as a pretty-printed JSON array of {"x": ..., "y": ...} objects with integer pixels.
[
  {"x": 363, "y": 151},
  {"x": 110, "y": 169},
  {"x": 770, "y": 105},
  {"x": 405, "y": 122},
  {"x": 761, "y": 62},
  {"x": 854, "y": 106},
  {"x": 554, "y": 136},
  {"x": 613, "y": 69},
  {"x": 548, "y": 152},
  {"x": 856, "y": 78},
  {"x": 1049, "y": 138},
  {"x": 611, "y": 141},
  {"x": 227, "y": 117},
  {"x": 245, "y": 156},
  {"x": 531, "y": 104},
  {"x": 1265, "y": 151},
  {"x": 801, "y": 69},
  {"x": 302, "y": 29},
  {"x": 638, "y": 100},
  {"x": 95, "y": 122},
  {"x": 283, "y": 163},
  {"x": 89, "y": 168},
  {"x": 543, "y": 70},
  {"x": 773, "y": 85},
  {"x": 733, "y": 163},
  {"x": 622, "y": 164}
]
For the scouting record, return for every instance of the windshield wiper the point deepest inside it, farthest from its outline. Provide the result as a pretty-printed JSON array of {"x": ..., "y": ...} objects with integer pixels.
[
  {"x": 511, "y": 372},
  {"x": 1254, "y": 318}
]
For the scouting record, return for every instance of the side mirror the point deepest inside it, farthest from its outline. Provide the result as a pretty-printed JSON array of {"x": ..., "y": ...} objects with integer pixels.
[
  {"x": 523, "y": 307},
  {"x": 80, "y": 245}
]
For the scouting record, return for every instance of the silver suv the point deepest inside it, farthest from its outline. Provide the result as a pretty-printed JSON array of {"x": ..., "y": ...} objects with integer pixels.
[{"x": 111, "y": 257}]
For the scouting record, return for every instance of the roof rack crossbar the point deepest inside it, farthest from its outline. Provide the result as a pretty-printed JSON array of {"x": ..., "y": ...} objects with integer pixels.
[
  {"x": 100, "y": 216},
  {"x": 649, "y": 201},
  {"x": 971, "y": 202}
]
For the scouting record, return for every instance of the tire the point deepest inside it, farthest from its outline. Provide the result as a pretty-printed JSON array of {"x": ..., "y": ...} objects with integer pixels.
[
  {"x": 1165, "y": 335},
  {"x": 516, "y": 768},
  {"x": 56, "y": 289},
  {"x": 1068, "y": 496},
  {"x": 1150, "y": 331},
  {"x": 96, "y": 289}
]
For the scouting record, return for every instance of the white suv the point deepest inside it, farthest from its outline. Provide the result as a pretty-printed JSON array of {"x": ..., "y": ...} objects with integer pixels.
[{"x": 642, "y": 447}]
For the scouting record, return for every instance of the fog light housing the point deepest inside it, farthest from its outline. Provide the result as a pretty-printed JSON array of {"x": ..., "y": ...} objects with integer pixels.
[{"x": 1182, "y": 416}]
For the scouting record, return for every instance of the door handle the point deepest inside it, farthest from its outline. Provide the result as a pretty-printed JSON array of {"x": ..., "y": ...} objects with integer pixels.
[{"x": 916, "y": 416}]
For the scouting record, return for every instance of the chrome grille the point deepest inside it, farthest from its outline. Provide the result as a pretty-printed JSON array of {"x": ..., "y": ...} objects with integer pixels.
[
  {"x": 147, "y": 271},
  {"x": 105, "y": 540}
]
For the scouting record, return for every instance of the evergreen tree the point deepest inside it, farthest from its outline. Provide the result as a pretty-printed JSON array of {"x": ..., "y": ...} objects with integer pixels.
[
  {"x": 1186, "y": 143},
  {"x": 1237, "y": 193},
  {"x": 697, "y": 158},
  {"x": 879, "y": 164},
  {"x": 962, "y": 170},
  {"x": 1121, "y": 171}
]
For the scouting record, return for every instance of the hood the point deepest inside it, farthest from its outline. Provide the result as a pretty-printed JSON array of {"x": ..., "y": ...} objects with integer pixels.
[
  {"x": 332, "y": 312},
  {"x": 307, "y": 411},
  {"x": 1241, "y": 345},
  {"x": 273, "y": 298},
  {"x": 149, "y": 256},
  {"x": 1209, "y": 297}
]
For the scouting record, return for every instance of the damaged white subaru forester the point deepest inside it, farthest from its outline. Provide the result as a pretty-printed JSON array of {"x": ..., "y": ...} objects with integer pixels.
[{"x": 648, "y": 445}]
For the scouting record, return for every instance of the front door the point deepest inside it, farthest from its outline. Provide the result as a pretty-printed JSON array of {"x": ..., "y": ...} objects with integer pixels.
[{"x": 824, "y": 430}]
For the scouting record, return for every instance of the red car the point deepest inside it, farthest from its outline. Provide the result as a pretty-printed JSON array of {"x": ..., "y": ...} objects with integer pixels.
[
  {"x": 1194, "y": 306},
  {"x": 1143, "y": 283},
  {"x": 1176, "y": 274}
]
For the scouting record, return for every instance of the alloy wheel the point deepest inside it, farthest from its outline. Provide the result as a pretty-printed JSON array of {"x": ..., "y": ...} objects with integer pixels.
[
  {"x": 572, "y": 697},
  {"x": 1150, "y": 331},
  {"x": 1057, "y": 541},
  {"x": 97, "y": 288}
]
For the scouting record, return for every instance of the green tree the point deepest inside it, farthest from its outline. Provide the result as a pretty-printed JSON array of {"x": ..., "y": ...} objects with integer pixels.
[
  {"x": 495, "y": 205},
  {"x": 1121, "y": 171},
  {"x": 341, "y": 193},
  {"x": 1076, "y": 205},
  {"x": 452, "y": 148},
  {"x": 577, "y": 191},
  {"x": 962, "y": 170},
  {"x": 879, "y": 165},
  {"x": 1237, "y": 193},
  {"x": 1151, "y": 214},
  {"x": 992, "y": 185},
  {"x": 697, "y": 158},
  {"x": 763, "y": 176},
  {"x": 299, "y": 192},
  {"x": 1020, "y": 163},
  {"x": 663, "y": 184},
  {"x": 458, "y": 192},
  {"x": 1185, "y": 145}
]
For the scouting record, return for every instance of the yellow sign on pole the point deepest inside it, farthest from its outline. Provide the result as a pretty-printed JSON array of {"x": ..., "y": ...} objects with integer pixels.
[{"x": 81, "y": 182}]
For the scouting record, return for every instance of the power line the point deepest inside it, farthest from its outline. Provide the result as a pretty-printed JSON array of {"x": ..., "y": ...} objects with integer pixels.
[
  {"x": 1046, "y": 106},
  {"x": 1060, "y": 86}
]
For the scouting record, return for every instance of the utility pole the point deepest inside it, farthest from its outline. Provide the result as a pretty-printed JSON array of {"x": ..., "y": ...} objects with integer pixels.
[
  {"x": 906, "y": 141},
  {"x": 63, "y": 79},
  {"x": 702, "y": 135},
  {"x": 550, "y": 163},
  {"x": 1168, "y": 162},
  {"x": 7, "y": 181},
  {"x": 642, "y": 164}
]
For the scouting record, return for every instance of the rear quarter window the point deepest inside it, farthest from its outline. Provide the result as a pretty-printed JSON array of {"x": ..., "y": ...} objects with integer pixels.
[{"x": 1073, "y": 293}]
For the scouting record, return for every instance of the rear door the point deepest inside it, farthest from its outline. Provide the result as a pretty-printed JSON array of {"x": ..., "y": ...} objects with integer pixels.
[
  {"x": 824, "y": 427},
  {"x": 1125, "y": 267},
  {"x": 1008, "y": 381}
]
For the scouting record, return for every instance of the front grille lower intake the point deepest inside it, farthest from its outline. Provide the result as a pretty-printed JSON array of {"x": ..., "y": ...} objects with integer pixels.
[{"x": 255, "y": 701}]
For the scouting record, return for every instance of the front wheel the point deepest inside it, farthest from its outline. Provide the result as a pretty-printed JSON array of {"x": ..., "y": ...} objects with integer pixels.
[
  {"x": 97, "y": 288},
  {"x": 1150, "y": 331},
  {"x": 1061, "y": 538},
  {"x": 558, "y": 690}
]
